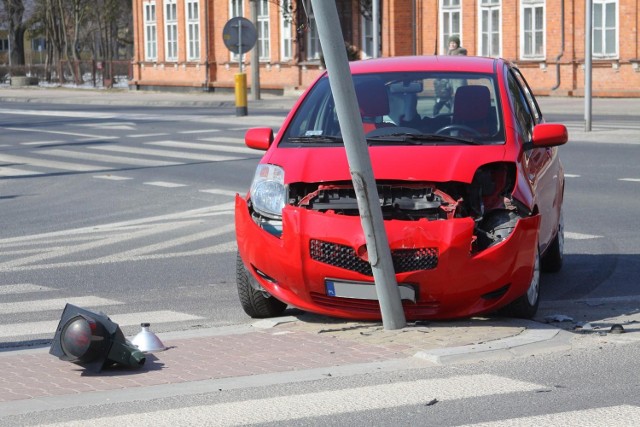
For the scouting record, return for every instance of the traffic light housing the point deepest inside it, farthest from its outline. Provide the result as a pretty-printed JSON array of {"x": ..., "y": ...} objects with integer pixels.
[{"x": 92, "y": 340}]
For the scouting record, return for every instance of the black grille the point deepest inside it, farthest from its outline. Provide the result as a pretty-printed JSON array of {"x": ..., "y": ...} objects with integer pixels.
[{"x": 343, "y": 256}]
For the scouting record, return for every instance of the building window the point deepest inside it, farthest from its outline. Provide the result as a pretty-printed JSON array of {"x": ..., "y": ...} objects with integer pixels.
[
  {"x": 605, "y": 32},
  {"x": 451, "y": 22},
  {"x": 313, "y": 39},
  {"x": 4, "y": 45},
  {"x": 263, "y": 31},
  {"x": 235, "y": 10},
  {"x": 150, "y": 32},
  {"x": 532, "y": 28},
  {"x": 171, "y": 25},
  {"x": 367, "y": 35},
  {"x": 193, "y": 29},
  {"x": 489, "y": 36},
  {"x": 286, "y": 39}
]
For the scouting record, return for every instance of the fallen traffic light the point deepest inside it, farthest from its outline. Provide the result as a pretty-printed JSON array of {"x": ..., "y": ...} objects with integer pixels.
[{"x": 92, "y": 340}]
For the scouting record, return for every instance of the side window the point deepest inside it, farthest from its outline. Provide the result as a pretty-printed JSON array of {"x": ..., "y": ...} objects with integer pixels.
[
  {"x": 524, "y": 116},
  {"x": 535, "y": 109}
]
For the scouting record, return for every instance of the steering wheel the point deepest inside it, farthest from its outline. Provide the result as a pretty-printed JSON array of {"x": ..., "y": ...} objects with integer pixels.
[{"x": 449, "y": 128}]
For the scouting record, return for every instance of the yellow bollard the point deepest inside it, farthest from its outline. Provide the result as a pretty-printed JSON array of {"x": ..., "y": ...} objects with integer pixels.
[{"x": 241, "y": 94}]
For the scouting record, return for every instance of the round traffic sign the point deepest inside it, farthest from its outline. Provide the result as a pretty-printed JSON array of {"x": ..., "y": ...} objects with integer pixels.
[{"x": 239, "y": 33}]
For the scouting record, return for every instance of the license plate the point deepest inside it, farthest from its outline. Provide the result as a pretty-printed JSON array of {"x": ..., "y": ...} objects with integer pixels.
[{"x": 363, "y": 290}]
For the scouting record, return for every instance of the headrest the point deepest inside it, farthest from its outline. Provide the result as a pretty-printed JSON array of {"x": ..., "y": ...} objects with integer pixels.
[
  {"x": 373, "y": 98},
  {"x": 471, "y": 103}
]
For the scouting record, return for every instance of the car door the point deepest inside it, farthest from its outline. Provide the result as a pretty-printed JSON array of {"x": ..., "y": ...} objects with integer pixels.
[{"x": 541, "y": 164}]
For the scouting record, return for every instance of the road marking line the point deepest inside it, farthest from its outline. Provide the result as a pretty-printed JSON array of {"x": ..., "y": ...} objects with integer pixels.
[
  {"x": 200, "y": 131},
  {"x": 58, "y": 113},
  {"x": 222, "y": 139},
  {"x": 621, "y": 416},
  {"x": 126, "y": 319},
  {"x": 55, "y": 132},
  {"x": 630, "y": 179},
  {"x": 23, "y": 288},
  {"x": 326, "y": 403},
  {"x": 220, "y": 192},
  {"x": 6, "y": 171},
  {"x": 105, "y": 158},
  {"x": 45, "y": 142},
  {"x": 165, "y": 184},
  {"x": 166, "y": 153},
  {"x": 53, "y": 304},
  {"x": 580, "y": 236},
  {"x": 569, "y": 175},
  {"x": 147, "y": 135},
  {"x": 209, "y": 147},
  {"x": 50, "y": 163}
]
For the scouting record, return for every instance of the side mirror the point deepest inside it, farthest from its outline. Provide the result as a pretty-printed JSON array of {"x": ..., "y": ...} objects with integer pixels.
[
  {"x": 549, "y": 135},
  {"x": 259, "y": 138}
]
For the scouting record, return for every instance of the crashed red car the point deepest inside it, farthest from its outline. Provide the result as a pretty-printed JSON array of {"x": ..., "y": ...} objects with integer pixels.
[{"x": 469, "y": 181}]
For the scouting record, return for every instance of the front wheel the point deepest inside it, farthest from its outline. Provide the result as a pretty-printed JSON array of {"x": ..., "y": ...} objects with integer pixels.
[
  {"x": 526, "y": 306},
  {"x": 257, "y": 304}
]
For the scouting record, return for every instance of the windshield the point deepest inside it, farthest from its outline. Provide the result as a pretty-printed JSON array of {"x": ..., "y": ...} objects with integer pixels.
[{"x": 406, "y": 108}]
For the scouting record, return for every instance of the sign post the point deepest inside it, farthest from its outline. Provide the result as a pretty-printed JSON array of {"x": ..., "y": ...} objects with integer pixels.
[
  {"x": 240, "y": 36},
  {"x": 360, "y": 167}
]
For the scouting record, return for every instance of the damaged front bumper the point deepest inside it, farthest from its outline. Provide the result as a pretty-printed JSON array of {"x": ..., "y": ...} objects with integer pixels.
[{"x": 450, "y": 277}]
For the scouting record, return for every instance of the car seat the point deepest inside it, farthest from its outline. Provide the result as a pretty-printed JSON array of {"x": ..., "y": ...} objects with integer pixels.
[
  {"x": 472, "y": 108},
  {"x": 373, "y": 100}
]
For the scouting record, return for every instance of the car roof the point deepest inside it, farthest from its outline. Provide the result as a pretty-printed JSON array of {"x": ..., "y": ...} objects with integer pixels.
[{"x": 476, "y": 64}]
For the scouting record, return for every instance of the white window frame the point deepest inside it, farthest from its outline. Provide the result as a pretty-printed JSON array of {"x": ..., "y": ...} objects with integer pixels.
[
  {"x": 449, "y": 11},
  {"x": 286, "y": 31},
  {"x": 535, "y": 7},
  {"x": 366, "y": 28},
  {"x": 192, "y": 15},
  {"x": 236, "y": 8},
  {"x": 314, "y": 50},
  {"x": 488, "y": 48},
  {"x": 264, "y": 37},
  {"x": 171, "y": 30},
  {"x": 150, "y": 31},
  {"x": 603, "y": 32}
]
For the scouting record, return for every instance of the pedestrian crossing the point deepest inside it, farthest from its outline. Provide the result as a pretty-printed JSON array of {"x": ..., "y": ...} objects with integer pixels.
[
  {"x": 40, "y": 304},
  {"x": 76, "y": 158},
  {"x": 326, "y": 407},
  {"x": 144, "y": 239}
]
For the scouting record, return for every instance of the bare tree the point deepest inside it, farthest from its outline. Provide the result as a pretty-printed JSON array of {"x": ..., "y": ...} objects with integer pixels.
[{"x": 14, "y": 11}]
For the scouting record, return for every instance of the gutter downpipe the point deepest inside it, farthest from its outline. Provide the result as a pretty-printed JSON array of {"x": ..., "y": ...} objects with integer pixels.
[
  {"x": 206, "y": 47},
  {"x": 562, "y": 48}
]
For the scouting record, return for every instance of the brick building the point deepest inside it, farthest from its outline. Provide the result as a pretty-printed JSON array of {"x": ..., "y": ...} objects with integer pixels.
[{"x": 178, "y": 43}]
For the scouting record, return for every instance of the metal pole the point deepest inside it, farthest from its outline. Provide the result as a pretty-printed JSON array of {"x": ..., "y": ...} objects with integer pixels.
[
  {"x": 588, "y": 27},
  {"x": 375, "y": 17},
  {"x": 255, "y": 56},
  {"x": 331, "y": 40}
]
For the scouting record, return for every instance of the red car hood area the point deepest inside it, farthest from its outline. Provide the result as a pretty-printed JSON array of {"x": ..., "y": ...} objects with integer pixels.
[{"x": 412, "y": 163}]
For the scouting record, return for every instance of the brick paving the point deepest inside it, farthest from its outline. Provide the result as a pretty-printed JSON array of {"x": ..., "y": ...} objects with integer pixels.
[{"x": 292, "y": 346}]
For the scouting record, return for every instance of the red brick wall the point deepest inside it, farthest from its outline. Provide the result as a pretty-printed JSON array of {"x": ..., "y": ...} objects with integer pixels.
[{"x": 554, "y": 75}]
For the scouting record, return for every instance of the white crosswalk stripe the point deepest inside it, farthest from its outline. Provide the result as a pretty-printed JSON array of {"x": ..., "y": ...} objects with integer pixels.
[
  {"x": 51, "y": 306},
  {"x": 318, "y": 405},
  {"x": 126, "y": 319}
]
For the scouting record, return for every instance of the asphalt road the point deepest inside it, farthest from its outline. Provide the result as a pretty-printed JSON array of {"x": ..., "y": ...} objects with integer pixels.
[{"x": 134, "y": 205}]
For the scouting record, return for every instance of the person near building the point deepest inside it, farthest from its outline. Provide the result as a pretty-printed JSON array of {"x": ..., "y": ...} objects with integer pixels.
[
  {"x": 454, "y": 46},
  {"x": 443, "y": 88}
]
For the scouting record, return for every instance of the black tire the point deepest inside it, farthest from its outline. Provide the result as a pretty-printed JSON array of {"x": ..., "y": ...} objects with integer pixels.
[
  {"x": 526, "y": 306},
  {"x": 554, "y": 256},
  {"x": 255, "y": 303}
]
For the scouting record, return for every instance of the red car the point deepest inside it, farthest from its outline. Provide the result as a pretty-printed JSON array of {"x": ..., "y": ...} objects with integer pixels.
[{"x": 469, "y": 181}]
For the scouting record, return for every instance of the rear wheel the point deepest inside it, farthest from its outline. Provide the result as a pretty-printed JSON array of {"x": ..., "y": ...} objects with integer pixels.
[
  {"x": 526, "y": 306},
  {"x": 256, "y": 303},
  {"x": 553, "y": 257}
]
